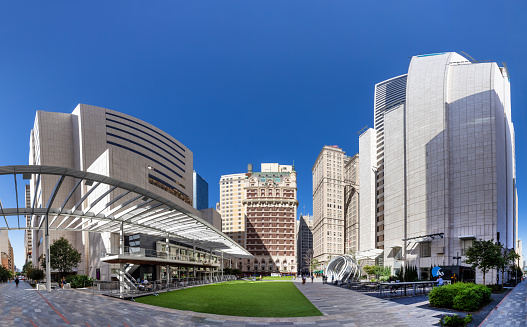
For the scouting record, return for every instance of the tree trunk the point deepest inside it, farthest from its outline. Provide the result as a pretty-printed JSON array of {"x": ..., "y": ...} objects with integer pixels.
[{"x": 483, "y": 276}]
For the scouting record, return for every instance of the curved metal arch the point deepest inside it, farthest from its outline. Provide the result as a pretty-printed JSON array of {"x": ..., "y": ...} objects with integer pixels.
[
  {"x": 344, "y": 268},
  {"x": 146, "y": 212}
]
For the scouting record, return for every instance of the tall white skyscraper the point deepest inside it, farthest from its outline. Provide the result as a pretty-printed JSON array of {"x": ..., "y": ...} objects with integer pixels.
[{"x": 438, "y": 169}]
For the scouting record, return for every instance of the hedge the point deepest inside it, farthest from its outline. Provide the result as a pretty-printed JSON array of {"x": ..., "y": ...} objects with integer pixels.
[
  {"x": 460, "y": 296},
  {"x": 79, "y": 281}
]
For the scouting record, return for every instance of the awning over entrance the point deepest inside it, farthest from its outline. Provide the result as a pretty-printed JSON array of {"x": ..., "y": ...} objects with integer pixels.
[{"x": 368, "y": 254}]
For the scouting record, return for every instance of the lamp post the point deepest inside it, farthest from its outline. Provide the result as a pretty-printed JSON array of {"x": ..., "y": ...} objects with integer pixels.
[{"x": 457, "y": 258}]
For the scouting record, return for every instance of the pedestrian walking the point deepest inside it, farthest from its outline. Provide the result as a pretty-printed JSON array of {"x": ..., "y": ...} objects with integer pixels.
[
  {"x": 332, "y": 278},
  {"x": 17, "y": 281},
  {"x": 312, "y": 277}
]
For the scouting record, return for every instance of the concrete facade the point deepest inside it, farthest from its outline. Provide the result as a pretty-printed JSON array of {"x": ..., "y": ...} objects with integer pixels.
[
  {"x": 335, "y": 204},
  {"x": 444, "y": 165},
  {"x": 351, "y": 204},
  {"x": 211, "y": 216},
  {"x": 231, "y": 208},
  {"x": 110, "y": 143}
]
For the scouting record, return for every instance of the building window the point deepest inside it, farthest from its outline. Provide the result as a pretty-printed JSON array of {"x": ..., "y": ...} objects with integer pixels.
[
  {"x": 426, "y": 249},
  {"x": 466, "y": 244}
]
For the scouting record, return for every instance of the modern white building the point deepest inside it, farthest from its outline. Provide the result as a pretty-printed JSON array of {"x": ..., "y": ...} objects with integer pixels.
[{"x": 438, "y": 169}]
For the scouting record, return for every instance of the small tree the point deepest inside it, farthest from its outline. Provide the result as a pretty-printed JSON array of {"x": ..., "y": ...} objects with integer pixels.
[
  {"x": 484, "y": 255},
  {"x": 313, "y": 266},
  {"x": 63, "y": 256},
  {"x": 5, "y": 273},
  {"x": 310, "y": 263},
  {"x": 26, "y": 269},
  {"x": 36, "y": 274}
]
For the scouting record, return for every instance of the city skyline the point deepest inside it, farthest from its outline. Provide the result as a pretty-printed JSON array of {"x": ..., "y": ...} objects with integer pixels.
[{"x": 221, "y": 78}]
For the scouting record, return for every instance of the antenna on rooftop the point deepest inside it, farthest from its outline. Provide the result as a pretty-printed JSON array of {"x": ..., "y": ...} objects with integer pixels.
[
  {"x": 506, "y": 70},
  {"x": 469, "y": 56},
  {"x": 362, "y": 130}
]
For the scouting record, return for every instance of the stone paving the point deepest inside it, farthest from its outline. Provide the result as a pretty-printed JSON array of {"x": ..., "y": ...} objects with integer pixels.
[
  {"x": 512, "y": 311},
  {"x": 24, "y": 306}
]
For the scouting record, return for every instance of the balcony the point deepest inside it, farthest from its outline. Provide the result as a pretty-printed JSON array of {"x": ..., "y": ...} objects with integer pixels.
[{"x": 152, "y": 257}]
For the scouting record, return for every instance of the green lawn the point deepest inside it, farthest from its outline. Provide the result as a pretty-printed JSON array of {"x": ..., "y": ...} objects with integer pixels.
[
  {"x": 277, "y": 278},
  {"x": 239, "y": 298}
]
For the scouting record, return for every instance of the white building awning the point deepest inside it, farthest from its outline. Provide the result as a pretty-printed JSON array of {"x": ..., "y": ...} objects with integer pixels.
[{"x": 368, "y": 254}]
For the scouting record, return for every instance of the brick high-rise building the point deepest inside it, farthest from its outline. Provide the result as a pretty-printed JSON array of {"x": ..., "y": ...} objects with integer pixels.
[
  {"x": 6, "y": 252},
  {"x": 271, "y": 207}
]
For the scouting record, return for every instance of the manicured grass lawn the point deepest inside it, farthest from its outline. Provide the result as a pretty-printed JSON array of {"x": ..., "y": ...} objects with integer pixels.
[
  {"x": 239, "y": 298},
  {"x": 277, "y": 278}
]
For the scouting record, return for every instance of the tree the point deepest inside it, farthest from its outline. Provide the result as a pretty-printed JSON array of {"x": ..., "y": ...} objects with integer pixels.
[
  {"x": 5, "y": 273},
  {"x": 311, "y": 263},
  {"x": 484, "y": 255},
  {"x": 26, "y": 269},
  {"x": 36, "y": 274},
  {"x": 63, "y": 256},
  {"x": 314, "y": 265}
]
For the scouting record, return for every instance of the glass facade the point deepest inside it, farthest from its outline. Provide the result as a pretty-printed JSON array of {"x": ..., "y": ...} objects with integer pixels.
[{"x": 200, "y": 198}]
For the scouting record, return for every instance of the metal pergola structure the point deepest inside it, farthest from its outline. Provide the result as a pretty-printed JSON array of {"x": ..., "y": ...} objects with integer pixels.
[{"x": 110, "y": 205}]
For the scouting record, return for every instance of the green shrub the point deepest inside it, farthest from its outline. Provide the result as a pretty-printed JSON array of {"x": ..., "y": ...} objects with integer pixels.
[
  {"x": 483, "y": 292},
  {"x": 455, "y": 321},
  {"x": 77, "y": 281},
  {"x": 460, "y": 296},
  {"x": 36, "y": 274},
  {"x": 495, "y": 287},
  {"x": 467, "y": 300},
  {"x": 442, "y": 297},
  {"x": 384, "y": 278}
]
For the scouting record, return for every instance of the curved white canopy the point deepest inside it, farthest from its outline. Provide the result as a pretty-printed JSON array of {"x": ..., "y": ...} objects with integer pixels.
[{"x": 134, "y": 208}]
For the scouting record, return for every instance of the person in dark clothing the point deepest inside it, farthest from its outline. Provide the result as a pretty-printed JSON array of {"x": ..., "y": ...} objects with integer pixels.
[{"x": 17, "y": 281}]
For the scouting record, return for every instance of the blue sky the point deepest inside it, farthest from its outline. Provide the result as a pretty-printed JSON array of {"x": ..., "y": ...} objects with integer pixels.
[{"x": 239, "y": 82}]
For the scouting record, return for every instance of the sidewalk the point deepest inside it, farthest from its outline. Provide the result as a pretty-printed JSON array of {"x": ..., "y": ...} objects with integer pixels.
[
  {"x": 512, "y": 311},
  {"x": 357, "y": 309}
]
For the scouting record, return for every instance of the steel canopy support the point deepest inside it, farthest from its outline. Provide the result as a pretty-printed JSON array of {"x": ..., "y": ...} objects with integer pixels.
[
  {"x": 121, "y": 266},
  {"x": 168, "y": 258},
  {"x": 48, "y": 268}
]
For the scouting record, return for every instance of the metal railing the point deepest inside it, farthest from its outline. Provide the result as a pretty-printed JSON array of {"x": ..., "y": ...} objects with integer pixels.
[
  {"x": 113, "y": 288},
  {"x": 140, "y": 252}
]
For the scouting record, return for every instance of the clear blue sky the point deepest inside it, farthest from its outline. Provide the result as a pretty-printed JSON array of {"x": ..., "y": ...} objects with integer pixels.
[{"x": 239, "y": 81}]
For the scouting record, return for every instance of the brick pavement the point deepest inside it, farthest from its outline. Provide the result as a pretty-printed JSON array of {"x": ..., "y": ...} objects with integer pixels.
[
  {"x": 512, "y": 311},
  {"x": 27, "y": 307}
]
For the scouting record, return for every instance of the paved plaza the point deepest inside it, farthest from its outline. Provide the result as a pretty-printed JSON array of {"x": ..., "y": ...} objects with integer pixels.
[
  {"x": 512, "y": 311},
  {"x": 24, "y": 306}
]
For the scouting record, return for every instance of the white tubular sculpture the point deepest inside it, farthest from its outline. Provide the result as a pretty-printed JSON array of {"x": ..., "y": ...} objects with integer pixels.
[{"x": 344, "y": 268}]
